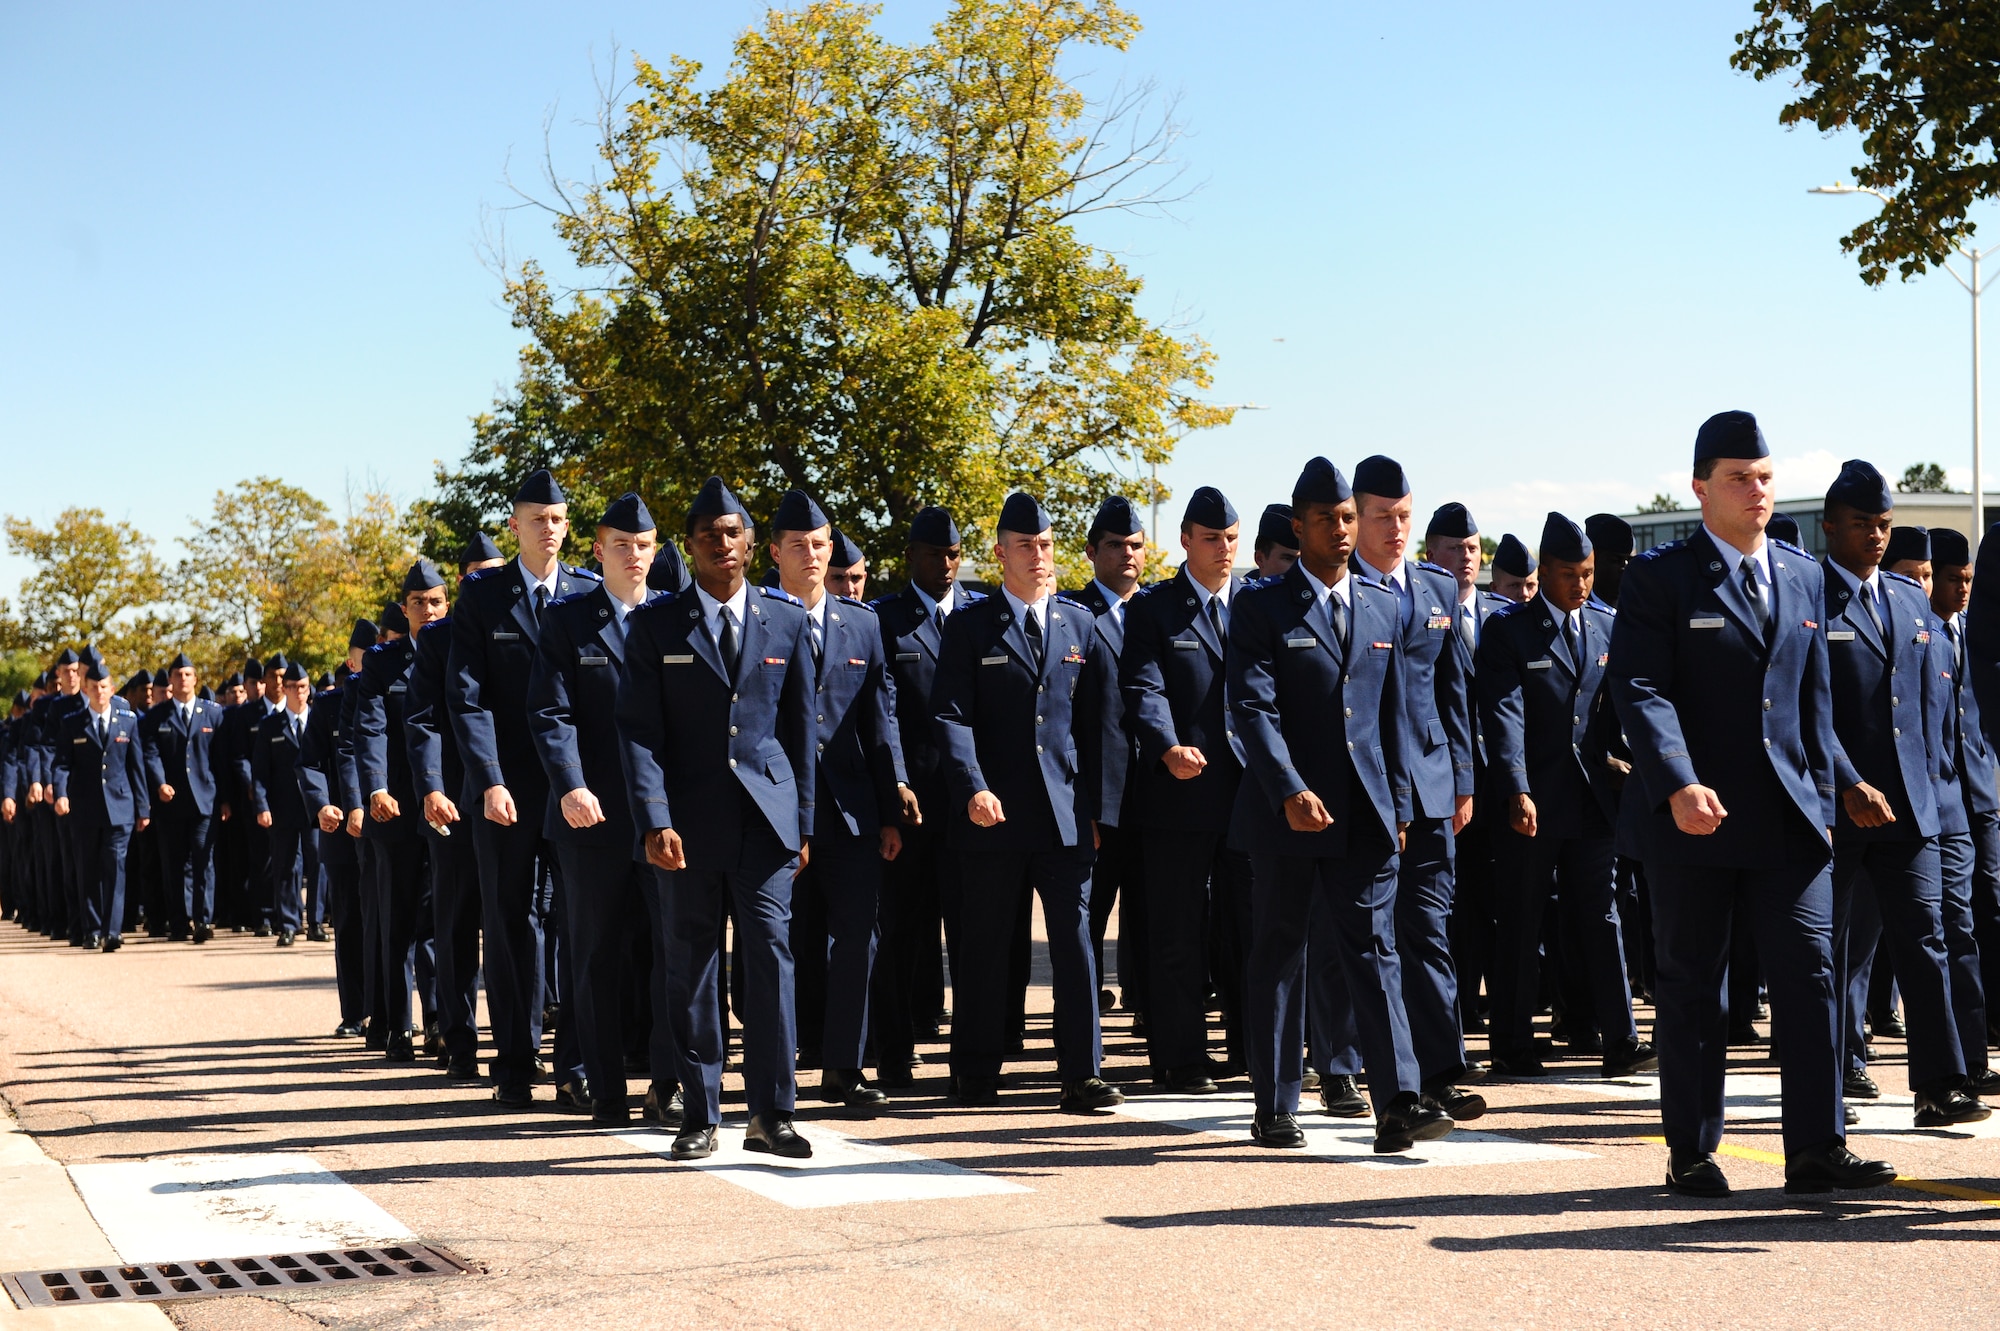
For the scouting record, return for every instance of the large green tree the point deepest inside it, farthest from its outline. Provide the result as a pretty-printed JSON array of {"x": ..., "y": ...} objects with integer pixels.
[
  {"x": 1920, "y": 81},
  {"x": 853, "y": 267},
  {"x": 93, "y": 581}
]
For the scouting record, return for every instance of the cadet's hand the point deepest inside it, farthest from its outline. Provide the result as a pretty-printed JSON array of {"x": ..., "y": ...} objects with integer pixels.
[
  {"x": 805, "y": 857},
  {"x": 1522, "y": 816},
  {"x": 1402, "y": 837},
  {"x": 913, "y": 814},
  {"x": 891, "y": 843},
  {"x": 664, "y": 850},
  {"x": 1184, "y": 761},
  {"x": 7, "y": 808},
  {"x": 1619, "y": 768},
  {"x": 1697, "y": 810},
  {"x": 1305, "y": 813},
  {"x": 581, "y": 809},
  {"x": 354, "y": 823},
  {"x": 500, "y": 806},
  {"x": 34, "y": 792},
  {"x": 222, "y": 813},
  {"x": 62, "y": 805},
  {"x": 1461, "y": 814},
  {"x": 329, "y": 819},
  {"x": 1867, "y": 806},
  {"x": 984, "y": 810},
  {"x": 1096, "y": 837},
  {"x": 439, "y": 810},
  {"x": 264, "y": 818},
  {"x": 144, "y": 823},
  {"x": 382, "y": 806},
  {"x": 166, "y": 794}
]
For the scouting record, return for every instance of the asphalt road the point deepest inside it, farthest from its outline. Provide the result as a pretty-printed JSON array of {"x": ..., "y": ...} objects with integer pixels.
[{"x": 185, "y": 1066}]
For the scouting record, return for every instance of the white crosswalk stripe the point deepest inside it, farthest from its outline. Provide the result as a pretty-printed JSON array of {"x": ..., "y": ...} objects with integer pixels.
[{"x": 843, "y": 1170}]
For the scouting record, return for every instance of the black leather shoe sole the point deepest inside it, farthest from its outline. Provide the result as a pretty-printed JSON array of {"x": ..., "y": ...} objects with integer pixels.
[
  {"x": 1945, "y": 1116},
  {"x": 1350, "y": 1105},
  {"x": 790, "y": 1146},
  {"x": 696, "y": 1145},
  {"x": 1281, "y": 1137},
  {"x": 1696, "y": 1187},
  {"x": 1860, "y": 1088},
  {"x": 513, "y": 1099},
  {"x": 1813, "y": 1183}
]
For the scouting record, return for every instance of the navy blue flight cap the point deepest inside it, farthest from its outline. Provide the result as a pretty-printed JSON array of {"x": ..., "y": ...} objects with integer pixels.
[
  {"x": 160, "y": 678},
  {"x": 716, "y": 500},
  {"x": 478, "y": 550},
  {"x": 1115, "y": 517},
  {"x": 1274, "y": 527},
  {"x": 180, "y": 662},
  {"x": 1907, "y": 543},
  {"x": 42, "y": 681},
  {"x": 423, "y": 576},
  {"x": 668, "y": 572},
  {"x": 540, "y": 488},
  {"x": 94, "y": 667},
  {"x": 68, "y": 657},
  {"x": 1950, "y": 547},
  {"x": 933, "y": 526},
  {"x": 1513, "y": 557},
  {"x": 325, "y": 680},
  {"x": 846, "y": 554},
  {"x": 295, "y": 671},
  {"x": 1320, "y": 483},
  {"x": 798, "y": 512},
  {"x": 1610, "y": 533},
  {"x": 276, "y": 665},
  {"x": 1452, "y": 521},
  {"x": 252, "y": 669},
  {"x": 1209, "y": 507},
  {"x": 235, "y": 681},
  {"x": 141, "y": 680},
  {"x": 21, "y": 698},
  {"x": 1860, "y": 487},
  {"x": 90, "y": 654},
  {"x": 1380, "y": 476},
  {"x": 628, "y": 513},
  {"x": 1730, "y": 434},
  {"x": 1023, "y": 513},
  {"x": 393, "y": 620},
  {"x": 1564, "y": 540},
  {"x": 1783, "y": 527},
  {"x": 364, "y": 635},
  {"x": 207, "y": 694},
  {"x": 341, "y": 673}
]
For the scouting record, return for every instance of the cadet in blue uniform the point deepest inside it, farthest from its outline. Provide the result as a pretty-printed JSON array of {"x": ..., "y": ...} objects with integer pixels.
[
  {"x": 1315, "y": 693},
  {"x": 1513, "y": 577},
  {"x": 319, "y": 783},
  {"x": 860, "y": 795},
  {"x": 100, "y": 790},
  {"x": 1887, "y": 879},
  {"x": 1016, "y": 699},
  {"x": 920, "y": 887},
  {"x": 609, "y": 888},
  {"x": 1541, "y": 667},
  {"x": 181, "y": 773},
  {"x": 1956, "y": 595},
  {"x": 65, "y": 864},
  {"x": 256, "y": 907},
  {"x": 278, "y": 802},
  {"x": 494, "y": 632},
  {"x": 1719, "y": 674},
  {"x": 1183, "y": 789},
  {"x": 1116, "y": 548},
  {"x": 715, "y": 712}
]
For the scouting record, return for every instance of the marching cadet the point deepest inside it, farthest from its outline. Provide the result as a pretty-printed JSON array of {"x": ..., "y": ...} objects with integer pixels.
[
  {"x": 608, "y": 886},
  {"x": 1184, "y": 781},
  {"x": 1956, "y": 595},
  {"x": 921, "y": 885},
  {"x": 1964, "y": 774},
  {"x": 142, "y": 895},
  {"x": 1887, "y": 879},
  {"x": 100, "y": 790},
  {"x": 715, "y": 711},
  {"x": 1273, "y": 552},
  {"x": 10, "y": 831},
  {"x": 1438, "y": 718},
  {"x": 382, "y": 767},
  {"x": 437, "y": 776},
  {"x": 860, "y": 798},
  {"x": 238, "y": 867},
  {"x": 1718, "y": 669},
  {"x": 847, "y": 569},
  {"x": 346, "y": 784},
  {"x": 1315, "y": 692},
  {"x": 1612, "y": 547},
  {"x": 1513, "y": 570},
  {"x": 278, "y": 802},
  {"x": 1116, "y": 548},
  {"x": 494, "y": 634},
  {"x": 319, "y": 783},
  {"x": 1541, "y": 667},
  {"x": 44, "y": 861},
  {"x": 183, "y": 774},
  {"x": 64, "y": 864},
  {"x": 1020, "y": 671}
]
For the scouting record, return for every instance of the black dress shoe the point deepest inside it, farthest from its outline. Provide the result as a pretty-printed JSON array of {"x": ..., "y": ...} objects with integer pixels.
[
  {"x": 668, "y": 1115},
  {"x": 1860, "y": 1086},
  {"x": 573, "y": 1097},
  {"x": 1340, "y": 1096},
  {"x": 773, "y": 1134},
  {"x": 1518, "y": 1068},
  {"x": 177, "y": 936},
  {"x": 1092, "y": 1093},
  {"x": 286, "y": 937},
  {"x": 1474, "y": 1070},
  {"x": 399, "y": 1049},
  {"x": 1825, "y": 1168},
  {"x": 374, "y": 1038},
  {"x": 1190, "y": 1080},
  {"x": 1986, "y": 1081},
  {"x": 316, "y": 933},
  {"x": 461, "y": 1067},
  {"x": 1409, "y": 1121},
  {"x": 1941, "y": 1111},
  {"x": 1278, "y": 1130},
  {"x": 91, "y": 942},
  {"x": 846, "y": 1086},
  {"x": 695, "y": 1143},
  {"x": 513, "y": 1097},
  {"x": 1891, "y": 1025},
  {"x": 1229, "y": 1069},
  {"x": 1628, "y": 1059},
  {"x": 807, "y": 1058},
  {"x": 896, "y": 1077},
  {"x": 1309, "y": 1079},
  {"x": 1106, "y": 1000},
  {"x": 976, "y": 1092},
  {"x": 348, "y": 1028},
  {"x": 1745, "y": 1036},
  {"x": 1850, "y": 1115},
  {"x": 203, "y": 932},
  {"x": 261, "y": 931},
  {"x": 112, "y": 943},
  {"x": 1696, "y": 1175},
  {"x": 1585, "y": 1044},
  {"x": 1462, "y": 1105},
  {"x": 611, "y": 1116}
]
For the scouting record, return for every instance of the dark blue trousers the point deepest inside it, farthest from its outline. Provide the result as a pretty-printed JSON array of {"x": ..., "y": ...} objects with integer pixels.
[
  {"x": 343, "y": 891},
  {"x": 604, "y": 896},
  {"x": 994, "y": 886},
  {"x": 1424, "y": 884},
  {"x": 1579, "y": 872},
  {"x": 511, "y": 912},
  {"x": 1958, "y": 860},
  {"x": 1894, "y": 890},
  {"x": 375, "y": 1001},
  {"x": 835, "y": 904},
  {"x": 455, "y": 937},
  {"x": 99, "y": 851},
  {"x": 1183, "y": 869},
  {"x": 187, "y": 866},
  {"x": 1350, "y": 904},
  {"x": 1791, "y": 909},
  {"x": 1986, "y": 905},
  {"x": 284, "y": 872},
  {"x": 399, "y": 897}
]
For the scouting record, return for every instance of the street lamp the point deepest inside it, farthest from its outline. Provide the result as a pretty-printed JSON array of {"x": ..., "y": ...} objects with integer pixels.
[
  {"x": 1226, "y": 406},
  {"x": 1977, "y": 289}
]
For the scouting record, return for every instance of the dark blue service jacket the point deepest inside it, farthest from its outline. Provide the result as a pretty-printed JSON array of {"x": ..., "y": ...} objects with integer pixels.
[
  {"x": 1172, "y": 677},
  {"x": 1539, "y": 710}
]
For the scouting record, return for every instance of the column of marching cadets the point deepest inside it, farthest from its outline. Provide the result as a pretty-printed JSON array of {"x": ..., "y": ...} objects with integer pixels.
[{"x": 1354, "y": 805}]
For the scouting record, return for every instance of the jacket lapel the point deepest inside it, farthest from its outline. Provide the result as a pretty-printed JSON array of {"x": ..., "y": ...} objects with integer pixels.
[
  {"x": 751, "y": 650},
  {"x": 1728, "y": 590},
  {"x": 1316, "y": 617},
  {"x": 1203, "y": 627},
  {"x": 608, "y": 631},
  {"x": 1064, "y": 637},
  {"x": 1849, "y": 609},
  {"x": 523, "y": 607},
  {"x": 698, "y": 641},
  {"x": 1550, "y": 627}
]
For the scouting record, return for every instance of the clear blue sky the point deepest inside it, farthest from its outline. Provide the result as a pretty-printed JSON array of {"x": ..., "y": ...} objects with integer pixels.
[{"x": 1525, "y": 249}]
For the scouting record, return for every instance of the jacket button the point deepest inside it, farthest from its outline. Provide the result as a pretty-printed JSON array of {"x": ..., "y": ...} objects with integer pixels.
[
  {"x": 734, "y": 698},
  {"x": 732, "y": 730},
  {"x": 1038, "y": 720},
  {"x": 821, "y": 718},
  {"x": 1350, "y": 744},
  {"x": 1576, "y": 720},
  {"x": 1349, "y": 711},
  {"x": 1767, "y": 743},
  {"x": 1895, "y": 702},
  {"x": 1767, "y": 704},
  {"x": 732, "y": 762},
  {"x": 1897, "y": 732},
  {"x": 1038, "y": 748}
]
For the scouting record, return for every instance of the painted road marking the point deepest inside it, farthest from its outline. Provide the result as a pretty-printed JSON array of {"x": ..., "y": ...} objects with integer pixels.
[
  {"x": 843, "y": 1171},
  {"x": 1758, "y": 1097},
  {"x": 177, "y": 1207},
  {"x": 1349, "y": 1140}
]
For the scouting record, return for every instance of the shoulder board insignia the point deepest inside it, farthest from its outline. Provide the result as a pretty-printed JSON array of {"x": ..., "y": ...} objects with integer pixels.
[
  {"x": 1903, "y": 577},
  {"x": 1783, "y": 544},
  {"x": 779, "y": 594},
  {"x": 583, "y": 573},
  {"x": 858, "y": 605},
  {"x": 1064, "y": 598}
]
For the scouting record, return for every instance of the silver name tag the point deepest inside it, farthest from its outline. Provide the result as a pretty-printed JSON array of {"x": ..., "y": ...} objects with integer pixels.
[
  {"x": 1542, "y": 664},
  {"x": 502, "y": 635},
  {"x": 1840, "y": 635},
  {"x": 993, "y": 660},
  {"x": 1302, "y": 642},
  {"x": 1706, "y": 623},
  {"x": 1180, "y": 645},
  {"x": 678, "y": 660},
  {"x": 909, "y": 656},
  {"x": 593, "y": 660}
]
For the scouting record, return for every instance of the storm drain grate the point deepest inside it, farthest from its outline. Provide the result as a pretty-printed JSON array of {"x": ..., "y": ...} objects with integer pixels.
[{"x": 227, "y": 1275}]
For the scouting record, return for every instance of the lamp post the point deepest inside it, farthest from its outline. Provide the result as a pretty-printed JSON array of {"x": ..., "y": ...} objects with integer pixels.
[{"x": 1976, "y": 288}]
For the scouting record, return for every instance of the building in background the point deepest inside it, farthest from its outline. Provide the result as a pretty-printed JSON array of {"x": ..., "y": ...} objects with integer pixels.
[{"x": 1929, "y": 509}]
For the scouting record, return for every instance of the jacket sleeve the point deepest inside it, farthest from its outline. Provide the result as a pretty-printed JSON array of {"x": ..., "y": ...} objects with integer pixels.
[
  {"x": 1824, "y": 754},
  {"x": 551, "y": 723},
  {"x": 1454, "y": 706},
  {"x": 242, "y": 745},
  {"x": 642, "y": 728},
  {"x": 1149, "y": 716},
  {"x": 1503, "y": 712},
  {"x": 1096, "y": 692},
  {"x": 260, "y": 772},
  {"x": 1640, "y": 675},
  {"x": 371, "y": 733},
  {"x": 1251, "y": 691},
  {"x": 423, "y": 713},
  {"x": 135, "y": 774},
  {"x": 953, "y": 701},
  {"x": 58, "y": 775},
  {"x": 155, "y": 765},
  {"x": 881, "y": 737},
  {"x": 1400, "y": 742},
  {"x": 465, "y": 677},
  {"x": 313, "y": 785},
  {"x": 797, "y": 731}
]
